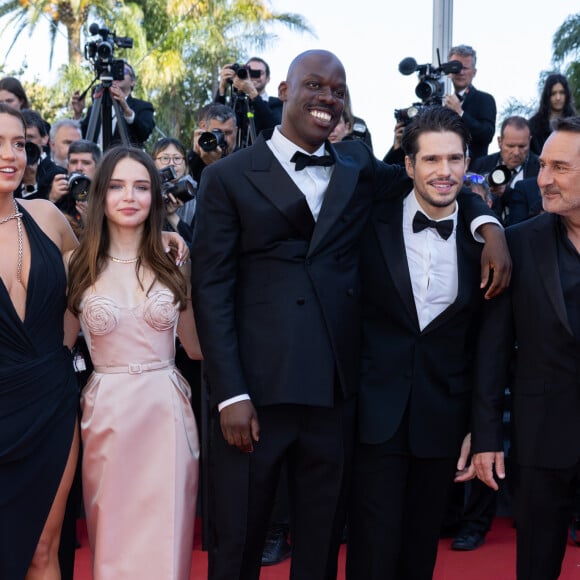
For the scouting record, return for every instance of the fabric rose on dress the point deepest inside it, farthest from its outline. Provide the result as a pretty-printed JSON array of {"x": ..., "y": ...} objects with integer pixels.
[
  {"x": 100, "y": 314},
  {"x": 159, "y": 310}
]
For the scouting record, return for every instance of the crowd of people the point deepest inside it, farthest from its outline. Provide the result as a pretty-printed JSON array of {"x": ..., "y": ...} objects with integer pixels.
[{"x": 347, "y": 310}]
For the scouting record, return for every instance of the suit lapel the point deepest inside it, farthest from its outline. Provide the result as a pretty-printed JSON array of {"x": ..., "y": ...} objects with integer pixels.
[
  {"x": 389, "y": 229},
  {"x": 546, "y": 258},
  {"x": 336, "y": 197},
  {"x": 285, "y": 196},
  {"x": 466, "y": 262}
]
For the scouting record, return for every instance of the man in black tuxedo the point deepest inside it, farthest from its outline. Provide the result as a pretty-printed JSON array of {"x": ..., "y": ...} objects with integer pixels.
[
  {"x": 276, "y": 291},
  {"x": 476, "y": 108},
  {"x": 138, "y": 116},
  {"x": 540, "y": 313},
  {"x": 421, "y": 299},
  {"x": 514, "y": 153}
]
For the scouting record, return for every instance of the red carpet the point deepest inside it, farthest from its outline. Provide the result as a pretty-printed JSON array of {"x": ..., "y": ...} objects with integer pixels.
[{"x": 495, "y": 560}]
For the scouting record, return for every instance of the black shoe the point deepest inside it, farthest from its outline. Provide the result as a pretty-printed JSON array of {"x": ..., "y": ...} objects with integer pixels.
[
  {"x": 467, "y": 541},
  {"x": 276, "y": 549}
]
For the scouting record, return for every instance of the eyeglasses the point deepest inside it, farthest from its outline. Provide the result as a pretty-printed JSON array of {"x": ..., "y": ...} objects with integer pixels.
[
  {"x": 167, "y": 159},
  {"x": 473, "y": 178}
]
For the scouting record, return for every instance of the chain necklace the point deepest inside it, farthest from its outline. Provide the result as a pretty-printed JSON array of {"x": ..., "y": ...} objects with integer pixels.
[
  {"x": 122, "y": 260},
  {"x": 17, "y": 215}
]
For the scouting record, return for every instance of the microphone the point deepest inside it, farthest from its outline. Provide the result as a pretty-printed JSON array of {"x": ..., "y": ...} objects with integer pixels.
[{"x": 408, "y": 66}]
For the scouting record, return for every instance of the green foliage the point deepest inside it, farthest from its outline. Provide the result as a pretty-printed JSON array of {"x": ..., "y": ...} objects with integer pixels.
[{"x": 566, "y": 53}]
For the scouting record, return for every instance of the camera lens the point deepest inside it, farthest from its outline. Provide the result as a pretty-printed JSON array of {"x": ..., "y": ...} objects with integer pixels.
[{"x": 208, "y": 141}]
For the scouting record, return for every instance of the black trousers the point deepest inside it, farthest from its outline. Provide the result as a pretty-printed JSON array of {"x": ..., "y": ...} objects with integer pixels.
[
  {"x": 544, "y": 500},
  {"x": 397, "y": 506},
  {"x": 317, "y": 445}
]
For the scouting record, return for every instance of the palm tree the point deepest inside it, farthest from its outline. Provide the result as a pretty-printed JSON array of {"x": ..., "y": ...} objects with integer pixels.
[
  {"x": 24, "y": 15},
  {"x": 566, "y": 52},
  {"x": 191, "y": 41}
]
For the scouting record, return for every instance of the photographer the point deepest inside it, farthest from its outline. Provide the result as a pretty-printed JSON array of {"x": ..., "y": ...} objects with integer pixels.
[
  {"x": 138, "y": 115},
  {"x": 476, "y": 108},
  {"x": 220, "y": 120},
  {"x": 169, "y": 152},
  {"x": 514, "y": 154},
  {"x": 82, "y": 160},
  {"x": 256, "y": 72}
]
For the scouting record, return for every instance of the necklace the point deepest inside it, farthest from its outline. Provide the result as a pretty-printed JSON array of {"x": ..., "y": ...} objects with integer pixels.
[
  {"x": 122, "y": 260},
  {"x": 17, "y": 215}
]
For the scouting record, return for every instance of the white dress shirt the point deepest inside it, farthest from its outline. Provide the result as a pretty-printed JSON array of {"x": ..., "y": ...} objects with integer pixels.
[{"x": 432, "y": 263}]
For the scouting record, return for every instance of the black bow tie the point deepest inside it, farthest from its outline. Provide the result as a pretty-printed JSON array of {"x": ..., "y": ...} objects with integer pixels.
[
  {"x": 421, "y": 221},
  {"x": 302, "y": 160}
]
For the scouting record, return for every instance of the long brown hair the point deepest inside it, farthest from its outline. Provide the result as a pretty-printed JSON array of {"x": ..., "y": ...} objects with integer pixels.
[{"x": 89, "y": 259}]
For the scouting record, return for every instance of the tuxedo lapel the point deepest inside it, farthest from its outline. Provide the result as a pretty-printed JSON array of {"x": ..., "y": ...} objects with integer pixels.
[
  {"x": 284, "y": 194},
  {"x": 339, "y": 192},
  {"x": 467, "y": 260},
  {"x": 389, "y": 229},
  {"x": 546, "y": 258}
]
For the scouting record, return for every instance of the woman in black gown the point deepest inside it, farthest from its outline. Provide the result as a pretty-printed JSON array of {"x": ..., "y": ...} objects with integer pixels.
[{"x": 38, "y": 390}]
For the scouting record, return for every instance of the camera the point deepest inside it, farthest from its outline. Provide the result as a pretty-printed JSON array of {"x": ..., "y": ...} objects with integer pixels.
[
  {"x": 182, "y": 188},
  {"x": 431, "y": 87},
  {"x": 100, "y": 53},
  {"x": 243, "y": 71},
  {"x": 211, "y": 140},
  {"x": 78, "y": 186},
  {"x": 33, "y": 153},
  {"x": 499, "y": 176}
]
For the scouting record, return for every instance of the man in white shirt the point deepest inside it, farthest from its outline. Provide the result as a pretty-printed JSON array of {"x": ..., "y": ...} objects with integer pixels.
[{"x": 421, "y": 297}]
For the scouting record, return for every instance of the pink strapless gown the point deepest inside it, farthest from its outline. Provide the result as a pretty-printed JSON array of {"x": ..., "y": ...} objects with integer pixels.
[{"x": 140, "y": 444}]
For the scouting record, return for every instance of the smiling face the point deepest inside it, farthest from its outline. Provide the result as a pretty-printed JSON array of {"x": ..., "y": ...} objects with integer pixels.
[
  {"x": 437, "y": 172},
  {"x": 559, "y": 176},
  {"x": 128, "y": 199},
  {"x": 313, "y": 96},
  {"x": 12, "y": 152}
]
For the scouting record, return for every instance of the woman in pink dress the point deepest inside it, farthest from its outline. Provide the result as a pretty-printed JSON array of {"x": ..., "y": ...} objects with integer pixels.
[{"x": 140, "y": 445}]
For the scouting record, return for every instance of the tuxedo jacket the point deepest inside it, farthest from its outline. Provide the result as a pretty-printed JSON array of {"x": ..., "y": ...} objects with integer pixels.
[
  {"x": 429, "y": 371},
  {"x": 276, "y": 295},
  {"x": 546, "y": 383},
  {"x": 138, "y": 131},
  {"x": 479, "y": 113},
  {"x": 526, "y": 201}
]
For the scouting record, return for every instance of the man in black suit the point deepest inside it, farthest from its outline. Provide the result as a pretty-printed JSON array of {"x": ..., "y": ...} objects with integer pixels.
[
  {"x": 526, "y": 201},
  {"x": 138, "y": 116},
  {"x": 514, "y": 153},
  {"x": 276, "y": 292},
  {"x": 421, "y": 300},
  {"x": 476, "y": 108},
  {"x": 540, "y": 313}
]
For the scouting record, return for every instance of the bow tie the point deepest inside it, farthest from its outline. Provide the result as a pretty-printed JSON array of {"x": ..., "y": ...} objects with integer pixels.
[
  {"x": 302, "y": 160},
  {"x": 421, "y": 221}
]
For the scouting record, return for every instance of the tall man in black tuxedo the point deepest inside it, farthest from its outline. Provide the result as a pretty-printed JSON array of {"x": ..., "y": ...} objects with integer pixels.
[
  {"x": 276, "y": 291},
  {"x": 541, "y": 313},
  {"x": 477, "y": 109},
  {"x": 421, "y": 300}
]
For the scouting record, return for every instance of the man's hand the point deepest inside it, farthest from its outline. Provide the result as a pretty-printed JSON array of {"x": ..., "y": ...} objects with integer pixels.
[
  {"x": 59, "y": 187},
  {"x": 452, "y": 102},
  {"x": 484, "y": 467},
  {"x": 227, "y": 74},
  {"x": 464, "y": 472},
  {"x": 399, "y": 129},
  {"x": 494, "y": 257},
  {"x": 121, "y": 98},
  {"x": 240, "y": 427}
]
